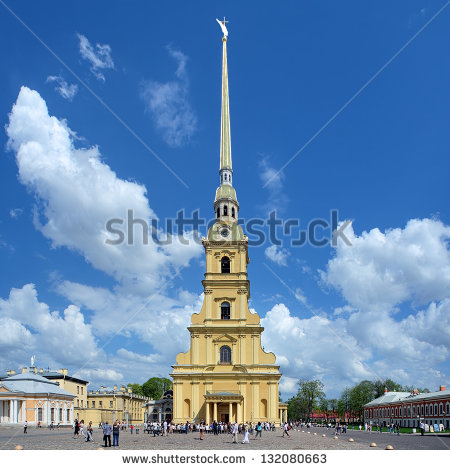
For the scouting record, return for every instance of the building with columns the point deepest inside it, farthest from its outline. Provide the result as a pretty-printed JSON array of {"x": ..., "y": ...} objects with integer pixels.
[
  {"x": 409, "y": 409},
  {"x": 226, "y": 375},
  {"x": 33, "y": 398}
]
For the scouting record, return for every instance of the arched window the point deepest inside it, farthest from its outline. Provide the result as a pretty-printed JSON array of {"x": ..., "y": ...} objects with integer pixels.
[
  {"x": 225, "y": 311},
  {"x": 218, "y": 213},
  {"x": 225, "y": 210},
  {"x": 225, "y": 355},
  {"x": 233, "y": 212},
  {"x": 225, "y": 264}
]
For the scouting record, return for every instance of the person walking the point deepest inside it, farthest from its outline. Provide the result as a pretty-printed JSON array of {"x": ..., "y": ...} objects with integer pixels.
[
  {"x": 186, "y": 427},
  {"x": 286, "y": 430},
  {"x": 25, "y": 427},
  {"x": 245, "y": 441},
  {"x": 81, "y": 427},
  {"x": 234, "y": 432},
  {"x": 107, "y": 434},
  {"x": 115, "y": 431},
  {"x": 258, "y": 430},
  {"x": 76, "y": 429},
  {"x": 89, "y": 432},
  {"x": 422, "y": 428},
  {"x": 165, "y": 428},
  {"x": 202, "y": 431}
]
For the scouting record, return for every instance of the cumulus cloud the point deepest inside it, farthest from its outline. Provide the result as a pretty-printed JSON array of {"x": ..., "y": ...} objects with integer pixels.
[
  {"x": 277, "y": 255},
  {"x": 396, "y": 286},
  {"x": 99, "y": 57},
  {"x": 29, "y": 324},
  {"x": 67, "y": 91},
  {"x": 75, "y": 181},
  {"x": 313, "y": 347},
  {"x": 169, "y": 106},
  {"x": 381, "y": 270}
]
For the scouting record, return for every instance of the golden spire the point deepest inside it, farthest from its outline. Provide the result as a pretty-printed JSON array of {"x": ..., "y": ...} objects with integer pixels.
[{"x": 225, "y": 136}]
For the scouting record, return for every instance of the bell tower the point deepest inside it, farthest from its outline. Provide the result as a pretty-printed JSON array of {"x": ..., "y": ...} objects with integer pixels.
[{"x": 226, "y": 375}]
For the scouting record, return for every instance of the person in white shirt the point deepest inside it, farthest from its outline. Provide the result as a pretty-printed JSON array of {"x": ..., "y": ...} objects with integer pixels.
[
  {"x": 234, "y": 432},
  {"x": 245, "y": 441}
]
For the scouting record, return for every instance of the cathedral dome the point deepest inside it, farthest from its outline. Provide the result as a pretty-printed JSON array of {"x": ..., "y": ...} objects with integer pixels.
[{"x": 225, "y": 191}]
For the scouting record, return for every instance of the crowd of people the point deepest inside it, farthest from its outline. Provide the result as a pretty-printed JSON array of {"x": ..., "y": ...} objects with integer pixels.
[{"x": 164, "y": 428}]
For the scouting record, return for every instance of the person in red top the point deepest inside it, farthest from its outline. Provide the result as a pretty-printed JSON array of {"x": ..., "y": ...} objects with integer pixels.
[{"x": 131, "y": 429}]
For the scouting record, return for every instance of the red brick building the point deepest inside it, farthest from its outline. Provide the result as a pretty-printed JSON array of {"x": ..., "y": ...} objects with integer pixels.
[{"x": 408, "y": 409}]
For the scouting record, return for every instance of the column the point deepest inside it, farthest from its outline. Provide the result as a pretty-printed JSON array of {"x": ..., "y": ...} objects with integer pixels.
[
  {"x": 215, "y": 411},
  {"x": 208, "y": 304},
  {"x": 14, "y": 411},
  {"x": 207, "y": 405},
  {"x": 243, "y": 392},
  {"x": 255, "y": 348},
  {"x": 238, "y": 412},
  {"x": 230, "y": 411},
  {"x": 194, "y": 348},
  {"x": 209, "y": 351},
  {"x": 195, "y": 399},
  {"x": 242, "y": 302},
  {"x": 255, "y": 401}
]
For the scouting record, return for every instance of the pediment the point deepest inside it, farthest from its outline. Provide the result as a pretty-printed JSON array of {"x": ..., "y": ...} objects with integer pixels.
[
  {"x": 4, "y": 388},
  {"x": 225, "y": 339}
]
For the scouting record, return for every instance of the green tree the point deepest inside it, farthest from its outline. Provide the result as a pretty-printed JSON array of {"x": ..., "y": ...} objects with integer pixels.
[
  {"x": 360, "y": 395},
  {"x": 309, "y": 395},
  {"x": 155, "y": 387},
  {"x": 324, "y": 407},
  {"x": 136, "y": 388},
  {"x": 380, "y": 385}
]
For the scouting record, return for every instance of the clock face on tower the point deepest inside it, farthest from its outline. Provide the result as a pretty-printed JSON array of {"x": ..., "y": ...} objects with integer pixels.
[{"x": 224, "y": 232}]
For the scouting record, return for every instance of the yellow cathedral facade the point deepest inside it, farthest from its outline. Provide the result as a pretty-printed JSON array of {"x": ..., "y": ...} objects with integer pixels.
[{"x": 226, "y": 375}]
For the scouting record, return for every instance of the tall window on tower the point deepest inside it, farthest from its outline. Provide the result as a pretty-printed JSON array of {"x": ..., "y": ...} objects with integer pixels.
[
  {"x": 225, "y": 311},
  {"x": 225, "y": 210},
  {"x": 233, "y": 213},
  {"x": 225, "y": 355},
  {"x": 225, "y": 264}
]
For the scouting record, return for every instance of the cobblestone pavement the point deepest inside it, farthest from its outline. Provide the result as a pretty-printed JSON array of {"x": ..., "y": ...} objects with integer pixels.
[{"x": 62, "y": 439}]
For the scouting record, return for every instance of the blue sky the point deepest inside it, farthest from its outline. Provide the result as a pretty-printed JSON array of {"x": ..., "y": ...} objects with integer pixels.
[{"x": 377, "y": 308}]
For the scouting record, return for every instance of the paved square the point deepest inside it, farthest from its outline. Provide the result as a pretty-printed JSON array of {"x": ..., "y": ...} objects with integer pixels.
[{"x": 62, "y": 439}]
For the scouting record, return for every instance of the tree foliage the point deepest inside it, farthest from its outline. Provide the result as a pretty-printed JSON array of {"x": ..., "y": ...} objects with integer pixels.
[
  {"x": 309, "y": 395},
  {"x": 155, "y": 387},
  {"x": 136, "y": 388}
]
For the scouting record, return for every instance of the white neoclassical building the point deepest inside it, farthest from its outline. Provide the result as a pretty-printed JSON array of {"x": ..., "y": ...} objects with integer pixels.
[{"x": 31, "y": 397}]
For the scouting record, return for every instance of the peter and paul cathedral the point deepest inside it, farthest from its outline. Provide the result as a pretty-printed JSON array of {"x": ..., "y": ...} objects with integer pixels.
[{"x": 226, "y": 375}]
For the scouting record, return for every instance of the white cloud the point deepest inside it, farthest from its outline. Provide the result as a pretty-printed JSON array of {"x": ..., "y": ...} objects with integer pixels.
[
  {"x": 95, "y": 376},
  {"x": 66, "y": 338},
  {"x": 67, "y": 91},
  {"x": 15, "y": 213},
  {"x": 99, "y": 57},
  {"x": 381, "y": 270},
  {"x": 66, "y": 180},
  {"x": 277, "y": 255},
  {"x": 169, "y": 105},
  {"x": 274, "y": 179},
  {"x": 313, "y": 347}
]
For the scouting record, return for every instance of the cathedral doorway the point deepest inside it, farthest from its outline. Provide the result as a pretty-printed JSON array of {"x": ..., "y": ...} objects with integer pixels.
[{"x": 224, "y": 418}]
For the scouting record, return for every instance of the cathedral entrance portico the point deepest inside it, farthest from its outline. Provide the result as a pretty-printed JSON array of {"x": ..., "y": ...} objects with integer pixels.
[{"x": 223, "y": 406}]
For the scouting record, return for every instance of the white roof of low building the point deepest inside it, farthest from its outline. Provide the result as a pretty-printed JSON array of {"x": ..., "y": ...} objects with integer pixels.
[
  {"x": 35, "y": 384},
  {"x": 394, "y": 397},
  {"x": 388, "y": 398}
]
